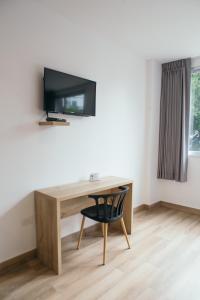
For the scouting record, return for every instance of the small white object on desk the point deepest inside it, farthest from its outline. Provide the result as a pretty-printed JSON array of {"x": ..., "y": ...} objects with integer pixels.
[{"x": 94, "y": 177}]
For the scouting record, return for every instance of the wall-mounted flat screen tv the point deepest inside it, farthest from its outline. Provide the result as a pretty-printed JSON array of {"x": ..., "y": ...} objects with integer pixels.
[{"x": 68, "y": 94}]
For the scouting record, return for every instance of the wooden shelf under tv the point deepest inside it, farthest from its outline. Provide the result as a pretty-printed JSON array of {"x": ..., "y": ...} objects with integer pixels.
[{"x": 53, "y": 123}]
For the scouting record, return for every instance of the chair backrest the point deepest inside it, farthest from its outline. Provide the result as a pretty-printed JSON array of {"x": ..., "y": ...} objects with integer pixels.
[{"x": 113, "y": 203}]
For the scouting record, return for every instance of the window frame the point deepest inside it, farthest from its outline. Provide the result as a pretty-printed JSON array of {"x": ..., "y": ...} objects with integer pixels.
[{"x": 192, "y": 152}]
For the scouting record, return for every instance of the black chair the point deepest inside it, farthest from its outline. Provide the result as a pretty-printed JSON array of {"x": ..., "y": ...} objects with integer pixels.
[{"x": 108, "y": 209}]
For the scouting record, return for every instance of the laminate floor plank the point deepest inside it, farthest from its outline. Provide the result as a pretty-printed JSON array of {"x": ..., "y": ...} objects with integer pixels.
[{"x": 162, "y": 264}]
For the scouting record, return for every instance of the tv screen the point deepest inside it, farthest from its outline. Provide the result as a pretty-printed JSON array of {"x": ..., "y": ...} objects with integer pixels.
[{"x": 68, "y": 94}]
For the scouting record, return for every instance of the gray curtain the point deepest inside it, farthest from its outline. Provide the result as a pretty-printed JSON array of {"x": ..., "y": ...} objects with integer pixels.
[{"x": 174, "y": 120}]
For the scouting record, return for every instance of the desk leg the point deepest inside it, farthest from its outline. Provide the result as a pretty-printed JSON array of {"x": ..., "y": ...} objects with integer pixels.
[
  {"x": 128, "y": 210},
  {"x": 48, "y": 232}
]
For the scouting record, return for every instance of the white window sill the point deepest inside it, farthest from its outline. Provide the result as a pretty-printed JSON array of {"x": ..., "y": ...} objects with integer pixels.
[{"x": 194, "y": 153}]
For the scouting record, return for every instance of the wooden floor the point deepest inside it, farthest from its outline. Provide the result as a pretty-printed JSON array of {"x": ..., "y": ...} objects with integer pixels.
[{"x": 164, "y": 264}]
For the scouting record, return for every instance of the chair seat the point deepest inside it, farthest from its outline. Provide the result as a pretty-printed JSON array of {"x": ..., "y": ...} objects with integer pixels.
[{"x": 100, "y": 216}]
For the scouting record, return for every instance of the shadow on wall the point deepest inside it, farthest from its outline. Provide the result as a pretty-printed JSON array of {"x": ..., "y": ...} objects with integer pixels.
[
  {"x": 40, "y": 84},
  {"x": 17, "y": 229}
]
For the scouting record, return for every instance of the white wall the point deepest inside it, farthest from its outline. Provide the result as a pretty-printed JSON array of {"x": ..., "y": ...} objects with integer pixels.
[
  {"x": 153, "y": 79},
  {"x": 33, "y": 157},
  {"x": 188, "y": 193}
]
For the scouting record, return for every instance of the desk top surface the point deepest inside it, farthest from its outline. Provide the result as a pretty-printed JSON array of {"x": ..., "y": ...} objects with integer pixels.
[{"x": 83, "y": 188}]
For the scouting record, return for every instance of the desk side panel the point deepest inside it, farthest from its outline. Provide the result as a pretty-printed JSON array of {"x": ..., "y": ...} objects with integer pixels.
[
  {"x": 48, "y": 231},
  {"x": 128, "y": 210}
]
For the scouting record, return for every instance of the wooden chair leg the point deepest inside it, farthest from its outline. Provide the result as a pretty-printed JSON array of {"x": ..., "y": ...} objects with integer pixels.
[
  {"x": 125, "y": 232},
  {"x": 81, "y": 232},
  {"x": 105, "y": 242}
]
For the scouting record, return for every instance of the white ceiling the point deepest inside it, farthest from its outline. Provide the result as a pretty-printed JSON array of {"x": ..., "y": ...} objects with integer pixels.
[{"x": 155, "y": 29}]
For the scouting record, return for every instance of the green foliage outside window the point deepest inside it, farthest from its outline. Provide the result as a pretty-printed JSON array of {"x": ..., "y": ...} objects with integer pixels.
[{"x": 195, "y": 113}]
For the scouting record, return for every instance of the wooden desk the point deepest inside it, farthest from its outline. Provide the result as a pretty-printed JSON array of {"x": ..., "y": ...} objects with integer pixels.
[{"x": 54, "y": 203}]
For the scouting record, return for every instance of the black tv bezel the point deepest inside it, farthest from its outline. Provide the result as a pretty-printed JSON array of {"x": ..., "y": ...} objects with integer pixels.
[{"x": 64, "y": 113}]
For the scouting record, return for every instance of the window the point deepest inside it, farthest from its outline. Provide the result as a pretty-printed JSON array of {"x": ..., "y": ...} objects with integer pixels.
[{"x": 194, "y": 139}]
